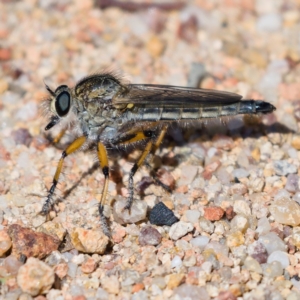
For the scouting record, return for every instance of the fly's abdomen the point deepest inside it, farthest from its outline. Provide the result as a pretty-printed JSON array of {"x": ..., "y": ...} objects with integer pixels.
[{"x": 170, "y": 113}]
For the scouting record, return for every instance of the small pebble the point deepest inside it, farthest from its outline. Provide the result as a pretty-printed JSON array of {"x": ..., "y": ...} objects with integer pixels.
[
  {"x": 12, "y": 264},
  {"x": 263, "y": 226},
  {"x": 89, "y": 241},
  {"x": 285, "y": 211},
  {"x": 180, "y": 229},
  {"x": 272, "y": 242},
  {"x": 206, "y": 225},
  {"x": 229, "y": 213},
  {"x": 240, "y": 173},
  {"x": 188, "y": 174},
  {"x": 176, "y": 262},
  {"x": 296, "y": 141},
  {"x": 55, "y": 258},
  {"x": 89, "y": 266},
  {"x": 213, "y": 213},
  {"x": 296, "y": 239},
  {"x": 78, "y": 259},
  {"x": 273, "y": 269},
  {"x": 137, "y": 211},
  {"x": 192, "y": 215},
  {"x": 149, "y": 236},
  {"x": 223, "y": 142},
  {"x": 72, "y": 269},
  {"x": 200, "y": 241},
  {"x": 241, "y": 207},
  {"x": 283, "y": 168},
  {"x": 226, "y": 295},
  {"x": 238, "y": 189},
  {"x": 161, "y": 215},
  {"x": 235, "y": 239},
  {"x": 35, "y": 277},
  {"x": 281, "y": 257},
  {"x": 30, "y": 243},
  {"x": 111, "y": 284},
  {"x": 174, "y": 280},
  {"x": 5, "y": 242},
  {"x": 61, "y": 270},
  {"x": 186, "y": 291},
  {"x": 52, "y": 228},
  {"x": 292, "y": 183},
  {"x": 269, "y": 22},
  {"x": 207, "y": 267},
  {"x": 252, "y": 265},
  {"x": 239, "y": 223}
]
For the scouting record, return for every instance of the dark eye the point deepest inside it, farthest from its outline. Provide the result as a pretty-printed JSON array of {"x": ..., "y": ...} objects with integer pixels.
[{"x": 62, "y": 103}]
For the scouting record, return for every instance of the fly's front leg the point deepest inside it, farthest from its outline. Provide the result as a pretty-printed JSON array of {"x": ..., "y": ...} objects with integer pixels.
[
  {"x": 57, "y": 139},
  {"x": 102, "y": 156},
  {"x": 70, "y": 149}
]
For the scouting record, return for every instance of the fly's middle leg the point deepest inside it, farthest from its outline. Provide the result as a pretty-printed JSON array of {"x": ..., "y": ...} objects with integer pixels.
[
  {"x": 103, "y": 159},
  {"x": 70, "y": 149}
]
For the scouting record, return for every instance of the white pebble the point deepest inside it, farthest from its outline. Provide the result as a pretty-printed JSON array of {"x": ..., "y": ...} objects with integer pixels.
[
  {"x": 188, "y": 174},
  {"x": 272, "y": 242},
  {"x": 281, "y": 257},
  {"x": 200, "y": 241},
  {"x": 72, "y": 269},
  {"x": 241, "y": 207},
  {"x": 240, "y": 173},
  {"x": 176, "y": 262},
  {"x": 269, "y": 22},
  {"x": 263, "y": 226},
  {"x": 207, "y": 267},
  {"x": 192, "y": 215},
  {"x": 273, "y": 269},
  {"x": 179, "y": 230},
  {"x": 78, "y": 259}
]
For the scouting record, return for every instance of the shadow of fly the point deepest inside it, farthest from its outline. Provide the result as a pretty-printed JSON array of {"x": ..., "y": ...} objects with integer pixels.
[{"x": 104, "y": 113}]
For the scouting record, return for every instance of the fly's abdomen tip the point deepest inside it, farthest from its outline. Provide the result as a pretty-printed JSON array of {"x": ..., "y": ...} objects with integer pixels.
[{"x": 264, "y": 107}]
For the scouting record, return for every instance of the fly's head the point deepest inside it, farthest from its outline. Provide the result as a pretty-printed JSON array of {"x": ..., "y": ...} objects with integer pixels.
[{"x": 60, "y": 105}]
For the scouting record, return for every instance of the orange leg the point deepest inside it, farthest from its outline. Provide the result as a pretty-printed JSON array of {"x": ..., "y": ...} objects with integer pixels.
[
  {"x": 103, "y": 159},
  {"x": 70, "y": 149}
]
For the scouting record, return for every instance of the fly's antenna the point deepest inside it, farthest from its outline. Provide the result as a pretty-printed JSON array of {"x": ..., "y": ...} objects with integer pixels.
[{"x": 49, "y": 90}]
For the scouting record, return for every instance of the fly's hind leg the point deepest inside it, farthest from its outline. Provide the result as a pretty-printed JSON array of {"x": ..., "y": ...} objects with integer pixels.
[
  {"x": 151, "y": 148},
  {"x": 155, "y": 146},
  {"x": 70, "y": 149},
  {"x": 133, "y": 170},
  {"x": 103, "y": 159}
]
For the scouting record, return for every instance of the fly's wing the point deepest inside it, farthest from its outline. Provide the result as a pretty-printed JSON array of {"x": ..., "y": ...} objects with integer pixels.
[{"x": 153, "y": 95}]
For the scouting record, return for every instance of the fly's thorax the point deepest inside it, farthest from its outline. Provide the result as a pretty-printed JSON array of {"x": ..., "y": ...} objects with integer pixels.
[{"x": 98, "y": 87}]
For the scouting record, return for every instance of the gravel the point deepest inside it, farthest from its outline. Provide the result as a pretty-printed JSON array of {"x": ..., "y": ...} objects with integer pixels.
[{"x": 229, "y": 228}]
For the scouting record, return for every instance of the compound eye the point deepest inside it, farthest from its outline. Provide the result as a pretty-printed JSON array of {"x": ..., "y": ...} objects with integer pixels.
[{"x": 63, "y": 103}]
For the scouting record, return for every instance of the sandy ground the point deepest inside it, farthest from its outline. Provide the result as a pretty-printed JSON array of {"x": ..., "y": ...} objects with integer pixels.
[{"x": 235, "y": 184}]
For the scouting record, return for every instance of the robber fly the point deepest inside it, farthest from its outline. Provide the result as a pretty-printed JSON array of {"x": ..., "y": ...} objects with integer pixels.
[{"x": 105, "y": 113}]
